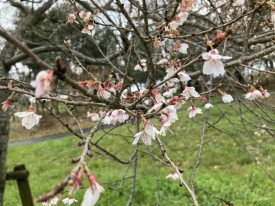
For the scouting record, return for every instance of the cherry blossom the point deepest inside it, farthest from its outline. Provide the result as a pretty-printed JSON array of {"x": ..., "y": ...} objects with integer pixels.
[
  {"x": 89, "y": 29},
  {"x": 102, "y": 92},
  {"x": 194, "y": 111},
  {"x": 69, "y": 200},
  {"x": 43, "y": 82},
  {"x": 162, "y": 61},
  {"x": 227, "y": 98},
  {"x": 29, "y": 119},
  {"x": 141, "y": 66},
  {"x": 213, "y": 65},
  {"x": 182, "y": 17},
  {"x": 53, "y": 201},
  {"x": 82, "y": 14},
  {"x": 253, "y": 94},
  {"x": 190, "y": 92},
  {"x": 208, "y": 106},
  {"x": 173, "y": 175},
  {"x": 121, "y": 115},
  {"x": 181, "y": 47},
  {"x": 6, "y": 104},
  {"x": 109, "y": 119},
  {"x": 90, "y": 197},
  {"x": 184, "y": 77},
  {"x": 92, "y": 194},
  {"x": 169, "y": 114},
  {"x": 72, "y": 19},
  {"x": 94, "y": 116},
  {"x": 157, "y": 96},
  {"x": 176, "y": 101},
  {"x": 264, "y": 92},
  {"x": 169, "y": 92},
  {"x": 165, "y": 126},
  {"x": 148, "y": 133},
  {"x": 112, "y": 117}
]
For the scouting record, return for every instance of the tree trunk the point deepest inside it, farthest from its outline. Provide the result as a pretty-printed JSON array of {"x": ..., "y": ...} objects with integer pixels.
[{"x": 4, "y": 136}]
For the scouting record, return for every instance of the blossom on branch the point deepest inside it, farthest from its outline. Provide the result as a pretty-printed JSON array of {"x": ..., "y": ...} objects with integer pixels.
[
  {"x": 148, "y": 133},
  {"x": 89, "y": 29},
  {"x": 213, "y": 65},
  {"x": 94, "y": 116},
  {"x": 181, "y": 47},
  {"x": 53, "y": 201},
  {"x": 92, "y": 194},
  {"x": 141, "y": 66},
  {"x": 173, "y": 175},
  {"x": 264, "y": 92},
  {"x": 43, "y": 82},
  {"x": 208, "y": 106},
  {"x": 69, "y": 200},
  {"x": 253, "y": 94},
  {"x": 6, "y": 104},
  {"x": 72, "y": 19},
  {"x": 29, "y": 119},
  {"x": 194, "y": 111},
  {"x": 190, "y": 92},
  {"x": 227, "y": 98}
]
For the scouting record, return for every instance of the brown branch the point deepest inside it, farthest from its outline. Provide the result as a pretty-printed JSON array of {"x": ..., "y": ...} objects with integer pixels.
[
  {"x": 172, "y": 164},
  {"x": 24, "y": 48}
]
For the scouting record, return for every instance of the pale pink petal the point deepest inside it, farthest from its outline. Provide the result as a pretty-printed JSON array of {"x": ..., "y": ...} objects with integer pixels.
[{"x": 90, "y": 197}]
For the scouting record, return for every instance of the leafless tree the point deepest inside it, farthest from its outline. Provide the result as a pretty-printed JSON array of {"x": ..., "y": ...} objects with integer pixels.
[{"x": 146, "y": 38}]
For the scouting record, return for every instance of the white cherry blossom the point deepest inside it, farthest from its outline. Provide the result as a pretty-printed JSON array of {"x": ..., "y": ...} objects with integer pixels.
[
  {"x": 69, "y": 201},
  {"x": 121, "y": 115},
  {"x": 182, "y": 17},
  {"x": 88, "y": 29},
  {"x": 208, "y": 106},
  {"x": 169, "y": 92},
  {"x": 169, "y": 114},
  {"x": 184, "y": 77},
  {"x": 165, "y": 127},
  {"x": 227, "y": 98},
  {"x": 173, "y": 175},
  {"x": 213, "y": 65},
  {"x": 141, "y": 66},
  {"x": 148, "y": 133},
  {"x": 194, "y": 111},
  {"x": 94, "y": 116},
  {"x": 190, "y": 92},
  {"x": 265, "y": 94},
  {"x": 90, "y": 197},
  {"x": 181, "y": 47},
  {"x": 254, "y": 94},
  {"x": 43, "y": 82},
  {"x": 29, "y": 119}
]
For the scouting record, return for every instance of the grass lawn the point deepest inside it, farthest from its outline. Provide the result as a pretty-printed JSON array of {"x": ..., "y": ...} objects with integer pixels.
[{"x": 230, "y": 168}]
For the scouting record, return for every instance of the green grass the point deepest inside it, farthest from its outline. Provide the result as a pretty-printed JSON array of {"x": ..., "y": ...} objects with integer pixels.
[{"x": 226, "y": 170}]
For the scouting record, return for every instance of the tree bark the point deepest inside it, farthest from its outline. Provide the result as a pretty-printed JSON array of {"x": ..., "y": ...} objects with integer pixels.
[
  {"x": 4, "y": 136},
  {"x": 7, "y": 52}
]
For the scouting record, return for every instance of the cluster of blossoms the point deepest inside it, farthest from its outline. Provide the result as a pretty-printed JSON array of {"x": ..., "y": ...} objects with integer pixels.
[
  {"x": 88, "y": 20},
  {"x": 141, "y": 66},
  {"x": 254, "y": 94},
  {"x": 91, "y": 195}
]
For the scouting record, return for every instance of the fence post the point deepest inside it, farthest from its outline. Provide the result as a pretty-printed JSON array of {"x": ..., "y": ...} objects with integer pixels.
[{"x": 23, "y": 186}]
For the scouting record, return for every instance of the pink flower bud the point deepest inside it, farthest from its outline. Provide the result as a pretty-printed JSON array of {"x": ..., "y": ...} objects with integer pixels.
[{"x": 6, "y": 104}]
